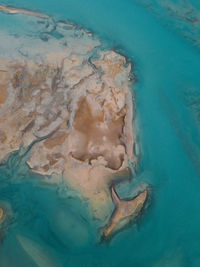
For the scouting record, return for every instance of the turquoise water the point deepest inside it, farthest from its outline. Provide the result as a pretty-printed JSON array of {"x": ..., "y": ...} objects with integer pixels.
[{"x": 45, "y": 226}]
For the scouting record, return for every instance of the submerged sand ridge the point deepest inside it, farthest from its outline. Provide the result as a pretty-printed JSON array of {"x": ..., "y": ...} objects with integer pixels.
[{"x": 75, "y": 100}]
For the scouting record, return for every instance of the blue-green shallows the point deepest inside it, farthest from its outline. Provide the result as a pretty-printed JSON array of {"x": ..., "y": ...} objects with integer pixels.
[{"x": 46, "y": 228}]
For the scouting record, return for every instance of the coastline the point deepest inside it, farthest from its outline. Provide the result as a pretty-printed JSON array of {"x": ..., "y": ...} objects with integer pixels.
[{"x": 104, "y": 111}]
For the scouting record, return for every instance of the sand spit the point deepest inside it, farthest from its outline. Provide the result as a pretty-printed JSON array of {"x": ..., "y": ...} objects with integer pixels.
[
  {"x": 125, "y": 211},
  {"x": 12, "y": 10}
]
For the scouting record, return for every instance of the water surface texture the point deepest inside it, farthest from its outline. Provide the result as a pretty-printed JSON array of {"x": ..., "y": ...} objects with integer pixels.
[{"x": 45, "y": 224}]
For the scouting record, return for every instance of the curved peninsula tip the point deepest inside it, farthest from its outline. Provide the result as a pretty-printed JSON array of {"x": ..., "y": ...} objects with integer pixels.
[{"x": 125, "y": 212}]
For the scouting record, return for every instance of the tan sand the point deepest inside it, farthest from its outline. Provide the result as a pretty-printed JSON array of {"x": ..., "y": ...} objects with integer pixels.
[
  {"x": 1, "y": 213},
  {"x": 125, "y": 211}
]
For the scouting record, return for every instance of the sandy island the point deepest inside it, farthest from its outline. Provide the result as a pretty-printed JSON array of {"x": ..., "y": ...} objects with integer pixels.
[{"x": 77, "y": 102}]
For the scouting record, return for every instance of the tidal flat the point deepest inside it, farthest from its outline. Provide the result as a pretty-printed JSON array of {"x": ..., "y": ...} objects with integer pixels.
[
  {"x": 67, "y": 113},
  {"x": 49, "y": 222}
]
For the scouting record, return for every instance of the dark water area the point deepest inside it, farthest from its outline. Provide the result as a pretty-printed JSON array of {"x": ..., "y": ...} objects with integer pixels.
[{"x": 48, "y": 225}]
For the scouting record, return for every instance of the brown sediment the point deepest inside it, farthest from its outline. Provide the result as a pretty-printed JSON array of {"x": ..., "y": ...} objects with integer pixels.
[
  {"x": 3, "y": 94},
  {"x": 54, "y": 158},
  {"x": 4, "y": 81},
  {"x": 29, "y": 126},
  {"x": 1, "y": 214},
  {"x": 125, "y": 211},
  {"x": 56, "y": 140},
  {"x": 103, "y": 136},
  {"x": 3, "y": 137}
]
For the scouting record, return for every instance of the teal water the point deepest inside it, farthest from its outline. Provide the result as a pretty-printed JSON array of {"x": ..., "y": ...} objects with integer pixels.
[{"x": 45, "y": 226}]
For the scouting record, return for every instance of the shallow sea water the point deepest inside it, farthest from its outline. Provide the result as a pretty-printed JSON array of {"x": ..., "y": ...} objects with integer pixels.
[{"x": 47, "y": 224}]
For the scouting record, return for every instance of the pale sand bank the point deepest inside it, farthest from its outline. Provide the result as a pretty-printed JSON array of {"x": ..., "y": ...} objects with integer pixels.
[{"x": 1, "y": 214}]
